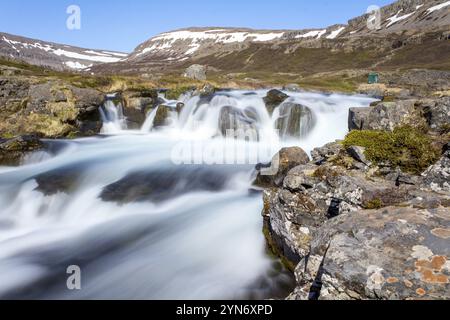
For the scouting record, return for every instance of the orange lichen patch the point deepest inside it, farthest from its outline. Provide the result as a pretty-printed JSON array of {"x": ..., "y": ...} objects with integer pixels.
[
  {"x": 421, "y": 292},
  {"x": 408, "y": 284},
  {"x": 431, "y": 270},
  {"x": 436, "y": 263},
  {"x": 441, "y": 233},
  {"x": 430, "y": 277},
  {"x": 392, "y": 280}
]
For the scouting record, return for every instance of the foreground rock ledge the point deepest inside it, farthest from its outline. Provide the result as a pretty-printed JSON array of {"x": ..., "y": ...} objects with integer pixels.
[{"x": 351, "y": 232}]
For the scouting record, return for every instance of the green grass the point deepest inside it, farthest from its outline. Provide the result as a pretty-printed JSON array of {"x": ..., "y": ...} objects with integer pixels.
[{"x": 405, "y": 147}]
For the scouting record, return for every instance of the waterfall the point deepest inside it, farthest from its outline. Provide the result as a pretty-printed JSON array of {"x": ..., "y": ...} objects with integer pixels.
[
  {"x": 149, "y": 121},
  {"x": 143, "y": 226},
  {"x": 112, "y": 117}
]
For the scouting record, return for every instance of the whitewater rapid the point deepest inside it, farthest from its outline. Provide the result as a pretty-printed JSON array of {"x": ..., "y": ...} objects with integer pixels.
[{"x": 196, "y": 231}]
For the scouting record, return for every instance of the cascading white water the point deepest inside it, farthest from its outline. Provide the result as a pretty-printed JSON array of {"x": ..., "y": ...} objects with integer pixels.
[
  {"x": 112, "y": 117},
  {"x": 140, "y": 225}
]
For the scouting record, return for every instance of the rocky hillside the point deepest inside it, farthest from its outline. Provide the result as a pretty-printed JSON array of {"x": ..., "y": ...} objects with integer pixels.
[
  {"x": 406, "y": 28},
  {"x": 52, "y": 55}
]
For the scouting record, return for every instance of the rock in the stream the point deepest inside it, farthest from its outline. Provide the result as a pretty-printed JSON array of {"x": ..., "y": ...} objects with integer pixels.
[
  {"x": 231, "y": 118},
  {"x": 158, "y": 186},
  {"x": 391, "y": 253},
  {"x": 273, "y": 99},
  {"x": 137, "y": 104},
  {"x": 295, "y": 120},
  {"x": 13, "y": 150}
]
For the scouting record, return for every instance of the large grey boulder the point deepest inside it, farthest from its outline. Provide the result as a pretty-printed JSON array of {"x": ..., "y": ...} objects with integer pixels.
[
  {"x": 386, "y": 116},
  {"x": 391, "y": 253},
  {"x": 196, "y": 72}
]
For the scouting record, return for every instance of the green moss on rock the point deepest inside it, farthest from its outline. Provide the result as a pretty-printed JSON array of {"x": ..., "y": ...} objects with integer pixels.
[{"x": 406, "y": 147}]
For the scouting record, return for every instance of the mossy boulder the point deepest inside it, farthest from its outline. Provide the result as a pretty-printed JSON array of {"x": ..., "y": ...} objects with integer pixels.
[
  {"x": 406, "y": 147},
  {"x": 52, "y": 109}
]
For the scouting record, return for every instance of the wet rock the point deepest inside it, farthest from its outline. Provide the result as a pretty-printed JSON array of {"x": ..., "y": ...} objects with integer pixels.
[
  {"x": 295, "y": 120},
  {"x": 165, "y": 184},
  {"x": 285, "y": 160},
  {"x": 13, "y": 150},
  {"x": 273, "y": 99},
  {"x": 232, "y": 119},
  {"x": 391, "y": 253},
  {"x": 136, "y": 106},
  {"x": 163, "y": 115},
  {"x": 196, "y": 72}
]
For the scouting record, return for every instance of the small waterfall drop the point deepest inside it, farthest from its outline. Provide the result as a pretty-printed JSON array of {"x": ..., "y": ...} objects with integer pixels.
[{"x": 112, "y": 117}]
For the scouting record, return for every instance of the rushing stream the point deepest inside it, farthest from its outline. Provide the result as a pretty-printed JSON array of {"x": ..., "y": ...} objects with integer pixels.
[{"x": 144, "y": 222}]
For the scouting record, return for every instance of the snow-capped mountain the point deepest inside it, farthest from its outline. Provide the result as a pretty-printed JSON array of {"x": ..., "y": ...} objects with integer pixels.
[
  {"x": 52, "y": 55},
  {"x": 404, "y": 17}
]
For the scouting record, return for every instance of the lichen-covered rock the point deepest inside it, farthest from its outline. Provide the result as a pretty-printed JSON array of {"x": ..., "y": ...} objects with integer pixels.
[
  {"x": 273, "y": 174},
  {"x": 437, "y": 177},
  {"x": 431, "y": 113},
  {"x": 390, "y": 253},
  {"x": 436, "y": 113},
  {"x": 323, "y": 154},
  {"x": 386, "y": 116},
  {"x": 51, "y": 109}
]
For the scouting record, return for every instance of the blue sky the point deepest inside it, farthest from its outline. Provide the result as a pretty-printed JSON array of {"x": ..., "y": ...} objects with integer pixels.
[{"x": 123, "y": 24}]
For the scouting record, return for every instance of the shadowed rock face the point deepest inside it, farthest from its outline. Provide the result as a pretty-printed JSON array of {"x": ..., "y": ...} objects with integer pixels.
[{"x": 231, "y": 118}]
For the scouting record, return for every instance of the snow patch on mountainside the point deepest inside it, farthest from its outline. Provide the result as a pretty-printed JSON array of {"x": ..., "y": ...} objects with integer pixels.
[
  {"x": 335, "y": 33},
  {"x": 22, "y": 46},
  {"x": 438, "y": 7},
  {"x": 396, "y": 18},
  {"x": 165, "y": 41}
]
